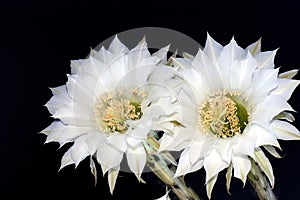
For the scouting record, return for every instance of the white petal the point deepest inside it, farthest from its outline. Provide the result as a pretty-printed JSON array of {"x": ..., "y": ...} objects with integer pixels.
[
  {"x": 109, "y": 156},
  {"x": 181, "y": 63},
  {"x": 228, "y": 178},
  {"x": 79, "y": 151},
  {"x": 245, "y": 144},
  {"x": 264, "y": 164},
  {"x": 254, "y": 48},
  {"x": 90, "y": 67},
  {"x": 273, "y": 105},
  {"x": 264, "y": 81},
  {"x": 94, "y": 140},
  {"x": 289, "y": 74},
  {"x": 112, "y": 177},
  {"x": 104, "y": 56},
  {"x": 266, "y": 59},
  {"x": 272, "y": 151},
  {"x": 213, "y": 164},
  {"x": 59, "y": 99},
  {"x": 118, "y": 141},
  {"x": 188, "y": 56},
  {"x": 161, "y": 55},
  {"x": 59, "y": 132},
  {"x": 184, "y": 164},
  {"x": 138, "y": 54},
  {"x": 160, "y": 74},
  {"x": 197, "y": 82},
  {"x": 212, "y": 48},
  {"x": 78, "y": 90},
  {"x": 242, "y": 166},
  {"x": 285, "y": 116},
  {"x": 210, "y": 185},
  {"x": 213, "y": 75},
  {"x": 136, "y": 158},
  {"x": 200, "y": 149},
  {"x": 117, "y": 47},
  {"x": 264, "y": 137},
  {"x": 241, "y": 74},
  {"x": 285, "y": 131},
  {"x": 73, "y": 114},
  {"x": 230, "y": 54},
  {"x": 224, "y": 148},
  {"x": 174, "y": 143},
  {"x": 75, "y": 66},
  {"x": 286, "y": 87},
  {"x": 66, "y": 160},
  {"x": 93, "y": 169},
  {"x": 113, "y": 73}
]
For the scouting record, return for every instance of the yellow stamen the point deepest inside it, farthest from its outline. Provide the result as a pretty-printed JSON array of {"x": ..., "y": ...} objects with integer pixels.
[
  {"x": 222, "y": 115},
  {"x": 113, "y": 109}
]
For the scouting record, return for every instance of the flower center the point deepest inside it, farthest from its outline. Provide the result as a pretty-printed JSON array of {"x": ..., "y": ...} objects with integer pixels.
[
  {"x": 223, "y": 114},
  {"x": 113, "y": 109}
]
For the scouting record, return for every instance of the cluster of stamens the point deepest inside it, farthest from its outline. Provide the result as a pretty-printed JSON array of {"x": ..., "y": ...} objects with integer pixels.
[
  {"x": 222, "y": 115},
  {"x": 114, "y": 109}
]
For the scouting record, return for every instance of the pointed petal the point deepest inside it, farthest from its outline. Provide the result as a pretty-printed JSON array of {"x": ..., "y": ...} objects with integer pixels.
[
  {"x": 245, "y": 144},
  {"x": 79, "y": 151},
  {"x": 265, "y": 165},
  {"x": 94, "y": 140},
  {"x": 213, "y": 164},
  {"x": 210, "y": 185},
  {"x": 104, "y": 56},
  {"x": 136, "y": 158},
  {"x": 212, "y": 48},
  {"x": 265, "y": 81},
  {"x": 241, "y": 73},
  {"x": 138, "y": 54},
  {"x": 183, "y": 164},
  {"x": 203, "y": 64},
  {"x": 272, "y": 151},
  {"x": 286, "y": 87},
  {"x": 104, "y": 169},
  {"x": 93, "y": 169},
  {"x": 112, "y": 177},
  {"x": 264, "y": 137},
  {"x": 266, "y": 59},
  {"x": 224, "y": 149},
  {"x": 66, "y": 160},
  {"x": 242, "y": 166},
  {"x": 228, "y": 178},
  {"x": 161, "y": 55},
  {"x": 285, "y": 131},
  {"x": 59, "y": 99},
  {"x": 289, "y": 74},
  {"x": 181, "y": 63},
  {"x": 109, "y": 156},
  {"x": 254, "y": 48},
  {"x": 118, "y": 141},
  {"x": 230, "y": 54},
  {"x": 286, "y": 116},
  {"x": 274, "y": 105},
  {"x": 117, "y": 47},
  {"x": 188, "y": 56}
]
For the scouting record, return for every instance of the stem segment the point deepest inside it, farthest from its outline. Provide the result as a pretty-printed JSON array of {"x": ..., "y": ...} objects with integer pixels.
[
  {"x": 260, "y": 183},
  {"x": 158, "y": 163}
]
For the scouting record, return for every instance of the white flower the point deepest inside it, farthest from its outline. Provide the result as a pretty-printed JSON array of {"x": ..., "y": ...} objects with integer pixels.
[
  {"x": 233, "y": 103},
  {"x": 110, "y": 102}
]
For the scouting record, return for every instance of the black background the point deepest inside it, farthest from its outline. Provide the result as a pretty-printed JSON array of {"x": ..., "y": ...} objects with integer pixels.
[{"x": 37, "y": 42}]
